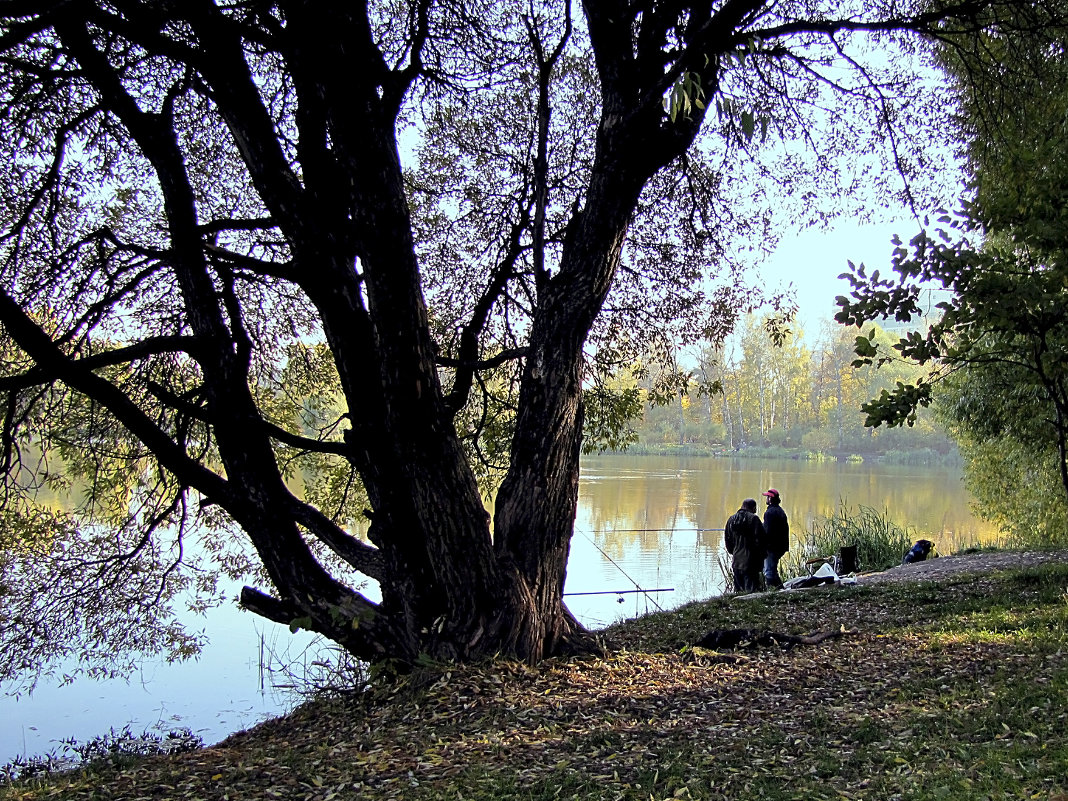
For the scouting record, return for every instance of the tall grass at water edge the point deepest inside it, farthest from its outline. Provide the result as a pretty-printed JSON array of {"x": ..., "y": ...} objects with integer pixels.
[{"x": 880, "y": 542}]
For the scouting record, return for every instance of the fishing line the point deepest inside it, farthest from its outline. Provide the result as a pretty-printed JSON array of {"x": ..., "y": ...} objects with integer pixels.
[{"x": 620, "y": 569}]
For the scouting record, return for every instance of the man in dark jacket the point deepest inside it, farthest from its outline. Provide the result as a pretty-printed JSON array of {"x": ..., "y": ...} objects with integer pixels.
[
  {"x": 777, "y": 531},
  {"x": 744, "y": 537}
]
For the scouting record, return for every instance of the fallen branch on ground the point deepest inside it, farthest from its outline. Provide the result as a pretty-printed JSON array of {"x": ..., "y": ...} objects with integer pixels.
[{"x": 729, "y": 639}]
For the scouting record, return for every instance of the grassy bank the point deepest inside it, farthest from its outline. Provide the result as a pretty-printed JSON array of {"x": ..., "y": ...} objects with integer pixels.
[{"x": 936, "y": 690}]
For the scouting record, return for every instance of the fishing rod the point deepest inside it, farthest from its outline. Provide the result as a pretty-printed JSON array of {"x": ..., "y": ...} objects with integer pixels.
[
  {"x": 621, "y": 570},
  {"x": 621, "y": 592},
  {"x": 624, "y": 572},
  {"x": 632, "y": 530}
]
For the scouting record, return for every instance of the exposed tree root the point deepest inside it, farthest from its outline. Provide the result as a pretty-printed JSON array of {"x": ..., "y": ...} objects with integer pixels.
[{"x": 730, "y": 639}]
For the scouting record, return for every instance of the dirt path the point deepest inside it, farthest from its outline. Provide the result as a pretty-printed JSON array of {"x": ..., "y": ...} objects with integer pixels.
[{"x": 934, "y": 569}]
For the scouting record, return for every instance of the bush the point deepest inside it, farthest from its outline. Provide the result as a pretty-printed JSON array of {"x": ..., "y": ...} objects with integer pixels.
[
  {"x": 922, "y": 456},
  {"x": 114, "y": 748}
]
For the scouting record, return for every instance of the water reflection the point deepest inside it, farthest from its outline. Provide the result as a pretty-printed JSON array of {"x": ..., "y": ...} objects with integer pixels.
[
  {"x": 655, "y": 492},
  {"x": 657, "y": 521}
]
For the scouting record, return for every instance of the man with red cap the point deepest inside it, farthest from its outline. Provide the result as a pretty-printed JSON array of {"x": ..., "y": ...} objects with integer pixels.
[{"x": 776, "y": 538}]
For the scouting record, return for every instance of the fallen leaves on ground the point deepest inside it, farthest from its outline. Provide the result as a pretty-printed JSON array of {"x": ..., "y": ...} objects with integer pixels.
[{"x": 846, "y": 718}]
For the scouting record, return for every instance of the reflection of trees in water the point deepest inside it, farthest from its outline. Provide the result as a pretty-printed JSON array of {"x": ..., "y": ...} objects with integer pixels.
[
  {"x": 636, "y": 509},
  {"x": 632, "y": 501},
  {"x": 646, "y": 516}
]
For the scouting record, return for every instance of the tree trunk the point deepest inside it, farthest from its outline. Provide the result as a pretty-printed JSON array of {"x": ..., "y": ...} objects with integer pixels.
[
  {"x": 538, "y": 499},
  {"x": 682, "y": 422}
]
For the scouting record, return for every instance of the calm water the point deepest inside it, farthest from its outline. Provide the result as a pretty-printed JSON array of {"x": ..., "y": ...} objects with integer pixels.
[
  {"x": 651, "y": 522},
  {"x": 643, "y": 522}
]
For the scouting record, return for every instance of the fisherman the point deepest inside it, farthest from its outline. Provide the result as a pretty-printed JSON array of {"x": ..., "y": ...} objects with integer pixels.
[
  {"x": 777, "y": 529},
  {"x": 744, "y": 537}
]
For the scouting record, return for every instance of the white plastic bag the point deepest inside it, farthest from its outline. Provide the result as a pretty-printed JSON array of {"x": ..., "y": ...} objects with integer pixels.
[{"x": 825, "y": 571}]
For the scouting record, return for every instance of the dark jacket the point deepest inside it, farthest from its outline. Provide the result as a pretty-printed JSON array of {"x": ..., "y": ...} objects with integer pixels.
[
  {"x": 777, "y": 528},
  {"x": 744, "y": 537}
]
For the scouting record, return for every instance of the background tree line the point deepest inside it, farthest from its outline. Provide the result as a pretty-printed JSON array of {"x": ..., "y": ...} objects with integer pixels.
[{"x": 761, "y": 393}]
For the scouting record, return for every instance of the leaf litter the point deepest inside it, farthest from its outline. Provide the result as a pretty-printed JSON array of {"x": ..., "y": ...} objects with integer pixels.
[{"x": 908, "y": 704}]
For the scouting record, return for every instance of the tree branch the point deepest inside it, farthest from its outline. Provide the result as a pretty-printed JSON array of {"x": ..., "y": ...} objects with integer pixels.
[
  {"x": 359, "y": 555},
  {"x": 39, "y": 347},
  {"x": 485, "y": 364},
  {"x": 153, "y": 346}
]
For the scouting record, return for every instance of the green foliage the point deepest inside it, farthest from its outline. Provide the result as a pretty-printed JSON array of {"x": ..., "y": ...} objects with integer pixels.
[
  {"x": 24, "y": 533},
  {"x": 734, "y": 113},
  {"x": 997, "y": 353},
  {"x": 880, "y": 542},
  {"x": 922, "y": 456},
  {"x": 686, "y": 95},
  {"x": 306, "y": 399},
  {"x": 609, "y": 417},
  {"x": 45, "y": 587},
  {"x": 899, "y": 406},
  {"x": 1018, "y": 488}
]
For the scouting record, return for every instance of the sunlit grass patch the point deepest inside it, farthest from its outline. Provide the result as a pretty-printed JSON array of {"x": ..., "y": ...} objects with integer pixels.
[
  {"x": 1037, "y": 629},
  {"x": 1017, "y": 637},
  {"x": 1037, "y": 618}
]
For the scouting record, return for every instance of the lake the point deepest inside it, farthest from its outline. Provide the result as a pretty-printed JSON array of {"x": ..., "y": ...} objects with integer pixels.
[
  {"x": 643, "y": 522},
  {"x": 652, "y": 521}
]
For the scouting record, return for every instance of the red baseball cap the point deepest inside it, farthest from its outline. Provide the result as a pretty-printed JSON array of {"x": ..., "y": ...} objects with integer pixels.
[{"x": 771, "y": 493}]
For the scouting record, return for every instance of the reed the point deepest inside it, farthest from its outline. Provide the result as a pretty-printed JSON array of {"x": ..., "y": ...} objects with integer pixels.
[
  {"x": 880, "y": 542},
  {"x": 726, "y": 569}
]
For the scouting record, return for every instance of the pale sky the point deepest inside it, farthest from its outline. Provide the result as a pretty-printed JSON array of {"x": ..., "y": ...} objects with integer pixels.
[{"x": 813, "y": 260}]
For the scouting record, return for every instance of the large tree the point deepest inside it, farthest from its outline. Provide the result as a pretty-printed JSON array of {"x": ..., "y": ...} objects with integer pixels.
[{"x": 210, "y": 243}]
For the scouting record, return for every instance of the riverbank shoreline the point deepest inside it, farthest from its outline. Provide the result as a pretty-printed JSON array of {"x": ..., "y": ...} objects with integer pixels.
[
  {"x": 978, "y": 563},
  {"x": 938, "y": 686},
  {"x": 926, "y": 457}
]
